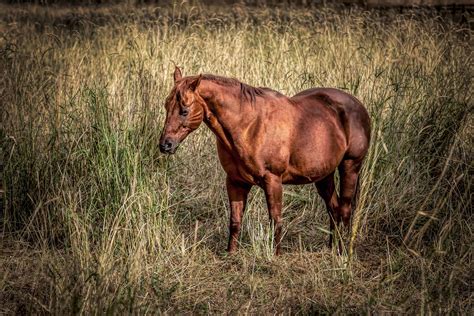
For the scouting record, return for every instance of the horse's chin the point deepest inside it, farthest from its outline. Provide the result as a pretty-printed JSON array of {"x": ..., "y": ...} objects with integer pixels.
[
  {"x": 173, "y": 150},
  {"x": 170, "y": 151}
]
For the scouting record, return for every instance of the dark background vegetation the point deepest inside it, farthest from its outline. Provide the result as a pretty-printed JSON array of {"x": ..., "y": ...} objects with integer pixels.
[{"x": 366, "y": 3}]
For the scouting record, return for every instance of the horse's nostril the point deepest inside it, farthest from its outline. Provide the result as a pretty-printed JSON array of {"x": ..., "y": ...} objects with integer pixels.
[{"x": 166, "y": 146}]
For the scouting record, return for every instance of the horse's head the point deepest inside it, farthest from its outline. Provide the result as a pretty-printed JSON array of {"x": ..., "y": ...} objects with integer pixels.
[{"x": 184, "y": 112}]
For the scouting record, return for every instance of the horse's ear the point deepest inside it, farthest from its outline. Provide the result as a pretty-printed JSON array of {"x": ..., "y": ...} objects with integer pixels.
[
  {"x": 195, "y": 83},
  {"x": 177, "y": 73}
]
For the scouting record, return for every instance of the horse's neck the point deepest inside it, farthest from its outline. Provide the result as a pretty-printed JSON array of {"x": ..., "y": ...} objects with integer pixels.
[{"x": 224, "y": 115}]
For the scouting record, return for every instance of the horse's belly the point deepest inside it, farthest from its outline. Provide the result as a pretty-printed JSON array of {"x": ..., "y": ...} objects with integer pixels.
[
  {"x": 296, "y": 177},
  {"x": 312, "y": 167},
  {"x": 316, "y": 152}
]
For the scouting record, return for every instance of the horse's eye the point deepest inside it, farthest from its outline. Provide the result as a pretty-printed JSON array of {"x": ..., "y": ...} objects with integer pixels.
[{"x": 184, "y": 112}]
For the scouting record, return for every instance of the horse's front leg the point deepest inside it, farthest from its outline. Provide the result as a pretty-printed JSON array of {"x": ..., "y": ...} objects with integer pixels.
[
  {"x": 237, "y": 193},
  {"x": 273, "y": 193}
]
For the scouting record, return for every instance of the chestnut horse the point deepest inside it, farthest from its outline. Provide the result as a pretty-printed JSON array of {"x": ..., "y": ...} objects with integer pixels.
[{"x": 267, "y": 139}]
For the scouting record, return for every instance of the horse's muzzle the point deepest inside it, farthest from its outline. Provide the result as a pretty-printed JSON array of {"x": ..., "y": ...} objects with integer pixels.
[{"x": 168, "y": 146}]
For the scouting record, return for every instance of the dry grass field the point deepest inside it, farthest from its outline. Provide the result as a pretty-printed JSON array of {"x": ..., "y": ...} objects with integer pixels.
[{"x": 95, "y": 220}]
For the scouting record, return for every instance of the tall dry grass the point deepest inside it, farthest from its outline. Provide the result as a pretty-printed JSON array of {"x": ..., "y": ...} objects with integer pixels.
[{"x": 95, "y": 220}]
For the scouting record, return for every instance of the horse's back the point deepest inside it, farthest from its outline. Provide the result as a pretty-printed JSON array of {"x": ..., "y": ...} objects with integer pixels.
[{"x": 352, "y": 114}]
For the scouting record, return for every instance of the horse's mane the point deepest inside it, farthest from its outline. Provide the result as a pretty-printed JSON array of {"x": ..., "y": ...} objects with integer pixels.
[{"x": 247, "y": 92}]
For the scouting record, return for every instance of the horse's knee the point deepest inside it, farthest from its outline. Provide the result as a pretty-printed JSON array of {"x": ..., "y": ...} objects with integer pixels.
[
  {"x": 346, "y": 213},
  {"x": 234, "y": 227},
  {"x": 346, "y": 219}
]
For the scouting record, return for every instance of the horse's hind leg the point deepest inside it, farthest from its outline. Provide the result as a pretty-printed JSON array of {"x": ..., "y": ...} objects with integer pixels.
[
  {"x": 326, "y": 190},
  {"x": 349, "y": 174}
]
